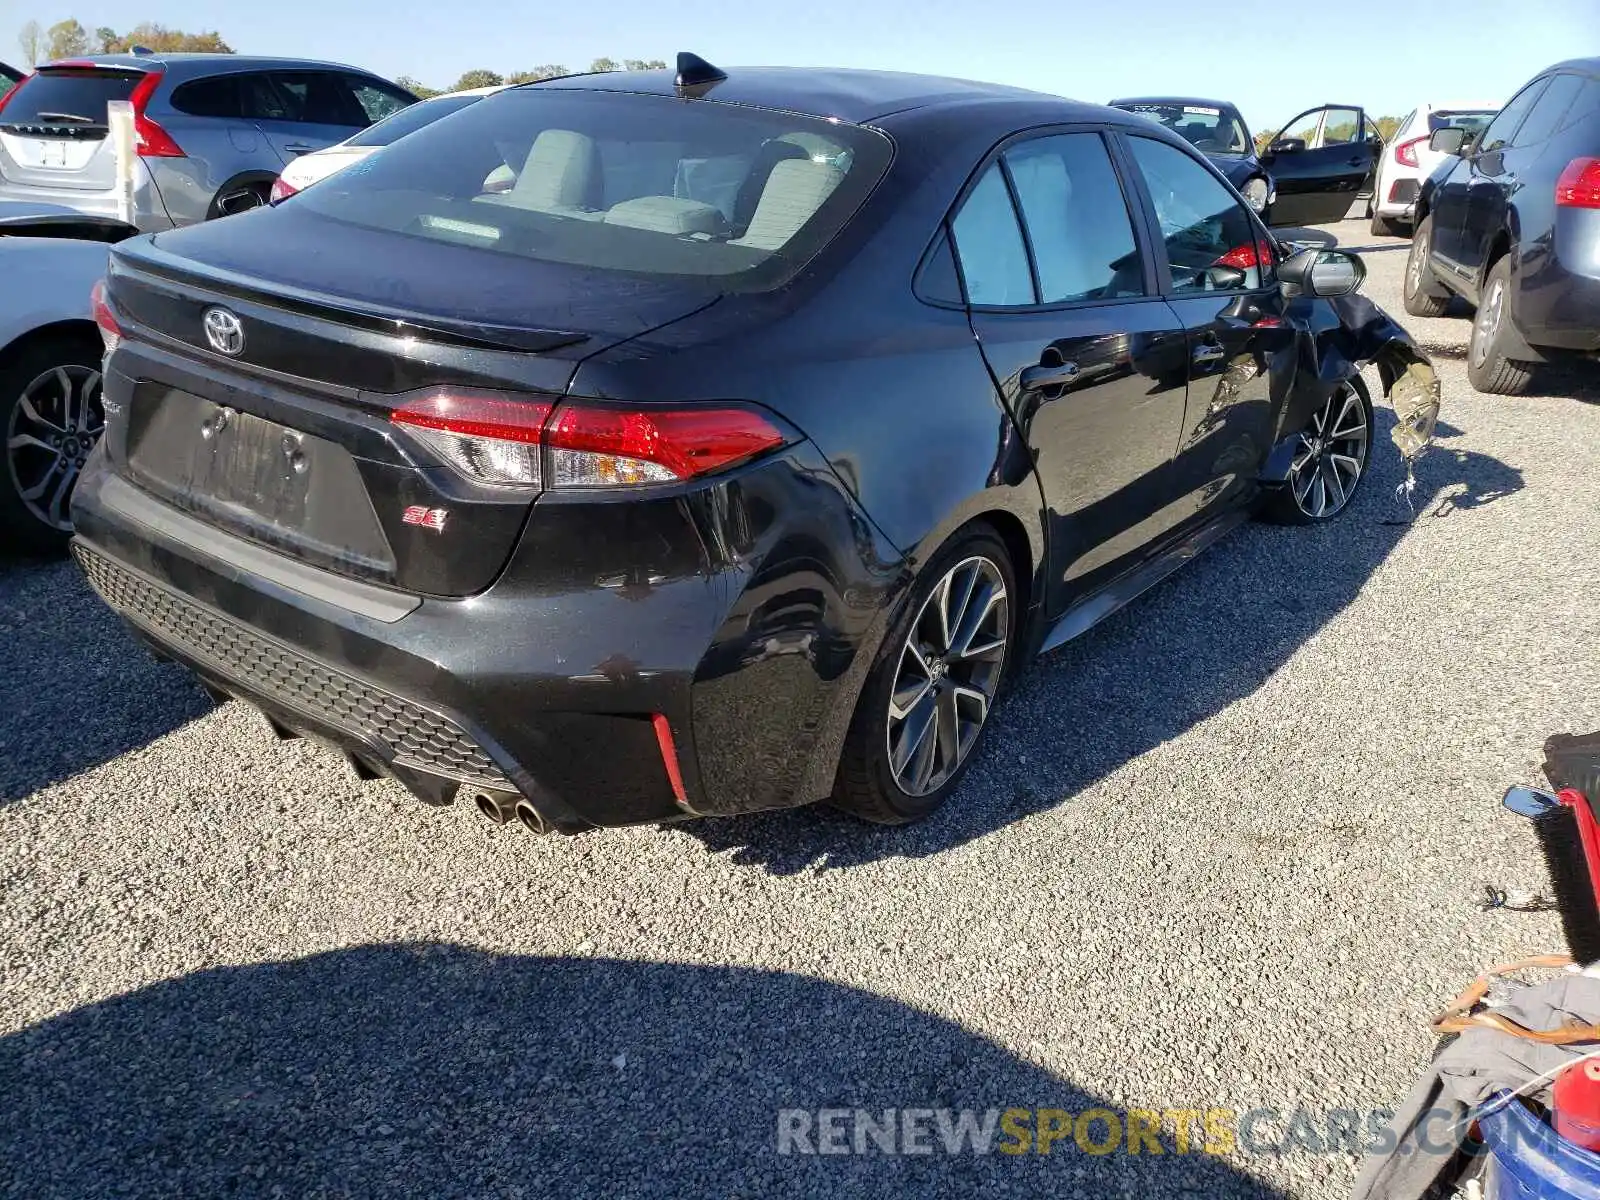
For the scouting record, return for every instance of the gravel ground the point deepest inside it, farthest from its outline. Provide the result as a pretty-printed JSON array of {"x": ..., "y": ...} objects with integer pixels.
[{"x": 1224, "y": 851}]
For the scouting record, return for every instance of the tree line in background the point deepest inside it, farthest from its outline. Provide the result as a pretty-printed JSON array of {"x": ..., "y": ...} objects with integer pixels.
[
  {"x": 482, "y": 77},
  {"x": 69, "y": 39}
]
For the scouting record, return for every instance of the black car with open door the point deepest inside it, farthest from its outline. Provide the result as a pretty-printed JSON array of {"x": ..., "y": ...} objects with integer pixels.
[{"x": 1320, "y": 162}]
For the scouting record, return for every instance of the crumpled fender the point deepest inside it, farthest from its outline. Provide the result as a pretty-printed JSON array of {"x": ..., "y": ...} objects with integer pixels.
[{"x": 1334, "y": 338}]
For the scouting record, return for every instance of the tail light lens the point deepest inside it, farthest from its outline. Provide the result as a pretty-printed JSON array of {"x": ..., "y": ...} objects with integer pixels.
[
  {"x": 100, "y": 307},
  {"x": 1579, "y": 185},
  {"x": 488, "y": 438},
  {"x": 282, "y": 189},
  {"x": 498, "y": 439},
  {"x": 149, "y": 139},
  {"x": 591, "y": 446},
  {"x": 1245, "y": 257},
  {"x": 1406, "y": 152}
]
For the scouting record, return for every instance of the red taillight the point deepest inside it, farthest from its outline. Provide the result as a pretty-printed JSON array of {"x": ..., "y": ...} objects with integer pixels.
[
  {"x": 594, "y": 446},
  {"x": 282, "y": 189},
  {"x": 1245, "y": 257},
  {"x": 100, "y": 308},
  {"x": 1579, "y": 185},
  {"x": 1406, "y": 152},
  {"x": 499, "y": 439},
  {"x": 149, "y": 139}
]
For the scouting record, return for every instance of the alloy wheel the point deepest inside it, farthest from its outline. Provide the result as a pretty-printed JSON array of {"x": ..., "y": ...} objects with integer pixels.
[
  {"x": 949, "y": 671},
  {"x": 1487, "y": 323},
  {"x": 54, "y": 424},
  {"x": 1331, "y": 455}
]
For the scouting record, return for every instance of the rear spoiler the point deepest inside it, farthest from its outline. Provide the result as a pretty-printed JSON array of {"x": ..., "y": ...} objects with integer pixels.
[{"x": 51, "y": 222}]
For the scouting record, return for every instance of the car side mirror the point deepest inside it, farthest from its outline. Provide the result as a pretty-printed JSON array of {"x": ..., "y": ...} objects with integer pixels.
[
  {"x": 1322, "y": 273},
  {"x": 1286, "y": 145},
  {"x": 1449, "y": 140}
]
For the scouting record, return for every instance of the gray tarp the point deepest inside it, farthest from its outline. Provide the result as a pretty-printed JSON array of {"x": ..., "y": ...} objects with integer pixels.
[{"x": 1466, "y": 1074}]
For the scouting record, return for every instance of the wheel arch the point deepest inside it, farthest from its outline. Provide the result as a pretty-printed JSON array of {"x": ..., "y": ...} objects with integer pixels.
[
  {"x": 71, "y": 327},
  {"x": 252, "y": 179}
]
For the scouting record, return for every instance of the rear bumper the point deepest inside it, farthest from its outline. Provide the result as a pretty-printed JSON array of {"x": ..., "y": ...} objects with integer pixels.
[
  {"x": 1558, "y": 286},
  {"x": 1396, "y": 198},
  {"x": 149, "y": 213},
  {"x": 547, "y": 691}
]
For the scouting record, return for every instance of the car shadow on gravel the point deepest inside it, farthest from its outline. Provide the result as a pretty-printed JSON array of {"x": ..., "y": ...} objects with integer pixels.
[
  {"x": 79, "y": 691},
  {"x": 437, "y": 1070},
  {"x": 1208, "y": 636}
]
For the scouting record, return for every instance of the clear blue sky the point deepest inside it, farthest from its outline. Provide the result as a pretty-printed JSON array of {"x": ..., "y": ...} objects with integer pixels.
[{"x": 1273, "y": 58}]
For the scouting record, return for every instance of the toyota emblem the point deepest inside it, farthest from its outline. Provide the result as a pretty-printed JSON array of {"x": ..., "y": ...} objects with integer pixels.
[{"x": 224, "y": 331}]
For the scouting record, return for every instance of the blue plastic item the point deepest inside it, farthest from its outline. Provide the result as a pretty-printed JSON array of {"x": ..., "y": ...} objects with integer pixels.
[{"x": 1531, "y": 1161}]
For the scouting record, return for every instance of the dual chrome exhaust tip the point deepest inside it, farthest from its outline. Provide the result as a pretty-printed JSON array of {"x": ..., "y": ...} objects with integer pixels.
[{"x": 504, "y": 807}]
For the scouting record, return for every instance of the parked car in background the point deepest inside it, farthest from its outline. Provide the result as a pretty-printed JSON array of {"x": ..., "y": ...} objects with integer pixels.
[
  {"x": 1215, "y": 128},
  {"x": 1407, "y": 160},
  {"x": 9, "y": 77},
  {"x": 50, "y": 352},
  {"x": 212, "y": 130},
  {"x": 731, "y": 457},
  {"x": 1512, "y": 225},
  {"x": 1321, "y": 163},
  {"x": 319, "y": 164}
]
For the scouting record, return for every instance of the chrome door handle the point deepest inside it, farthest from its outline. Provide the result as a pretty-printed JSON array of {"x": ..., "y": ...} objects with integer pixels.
[
  {"x": 1034, "y": 378},
  {"x": 1208, "y": 352}
]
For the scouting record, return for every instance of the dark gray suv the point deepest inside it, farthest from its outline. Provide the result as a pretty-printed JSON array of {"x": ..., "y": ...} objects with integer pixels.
[{"x": 211, "y": 131}]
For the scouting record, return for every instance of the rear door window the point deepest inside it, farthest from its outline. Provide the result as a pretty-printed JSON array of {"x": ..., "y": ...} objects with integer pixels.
[
  {"x": 1549, "y": 112},
  {"x": 1076, "y": 219},
  {"x": 731, "y": 195},
  {"x": 318, "y": 98},
  {"x": 68, "y": 98},
  {"x": 1498, "y": 135}
]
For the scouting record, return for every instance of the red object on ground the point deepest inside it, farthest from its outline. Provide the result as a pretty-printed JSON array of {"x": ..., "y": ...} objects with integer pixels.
[
  {"x": 1576, "y": 1102},
  {"x": 1588, "y": 833}
]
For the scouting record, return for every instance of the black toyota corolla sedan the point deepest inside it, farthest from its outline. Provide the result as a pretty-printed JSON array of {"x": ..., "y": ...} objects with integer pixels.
[{"x": 731, "y": 456}]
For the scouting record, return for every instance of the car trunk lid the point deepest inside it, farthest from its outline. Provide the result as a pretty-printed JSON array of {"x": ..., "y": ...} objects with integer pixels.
[
  {"x": 53, "y": 127},
  {"x": 286, "y": 437}
]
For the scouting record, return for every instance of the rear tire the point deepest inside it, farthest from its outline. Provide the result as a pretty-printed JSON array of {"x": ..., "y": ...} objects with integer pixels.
[
  {"x": 1384, "y": 227},
  {"x": 1488, "y": 368},
  {"x": 51, "y": 417},
  {"x": 926, "y": 704},
  {"x": 1423, "y": 295}
]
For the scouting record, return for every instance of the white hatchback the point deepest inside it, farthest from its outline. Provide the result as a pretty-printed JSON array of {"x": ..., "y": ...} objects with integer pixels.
[
  {"x": 1406, "y": 160},
  {"x": 311, "y": 168}
]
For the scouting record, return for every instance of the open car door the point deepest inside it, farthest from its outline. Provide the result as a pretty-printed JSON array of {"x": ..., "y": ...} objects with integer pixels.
[{"x": 1320, "y": 161}]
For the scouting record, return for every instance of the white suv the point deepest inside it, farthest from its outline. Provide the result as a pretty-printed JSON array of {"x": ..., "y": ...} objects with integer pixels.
[{"x": 1406, "y": 160}]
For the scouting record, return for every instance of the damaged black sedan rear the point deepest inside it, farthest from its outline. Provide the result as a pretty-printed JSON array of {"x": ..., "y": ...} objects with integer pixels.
[{"x": 626, "y": 448}]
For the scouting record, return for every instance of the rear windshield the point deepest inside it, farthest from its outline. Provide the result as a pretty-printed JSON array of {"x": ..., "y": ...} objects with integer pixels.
[
  {"x": 1209, "y": 129},
  {"x": 1472, "y": 120},
  {"x": 650, "y": 185},
  {"x": 410, "y": 119},
  {"x": 73, "y": 97}
]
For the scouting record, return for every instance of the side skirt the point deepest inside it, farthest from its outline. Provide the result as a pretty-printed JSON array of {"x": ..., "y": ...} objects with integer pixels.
[{"x": 1091, "y": 610}]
